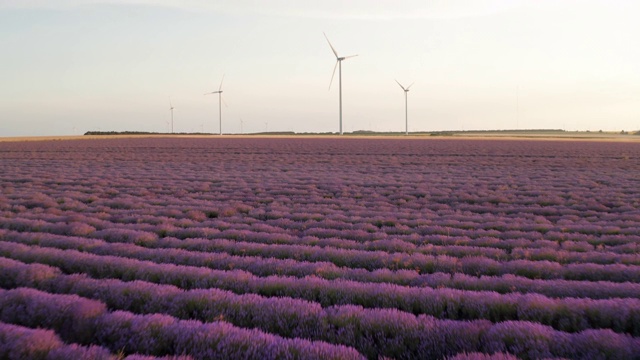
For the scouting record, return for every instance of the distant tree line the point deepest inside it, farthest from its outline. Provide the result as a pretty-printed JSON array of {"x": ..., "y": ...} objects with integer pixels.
[
  {"x": 357, "y": 132},
  {"x": 141, "y": 133}
]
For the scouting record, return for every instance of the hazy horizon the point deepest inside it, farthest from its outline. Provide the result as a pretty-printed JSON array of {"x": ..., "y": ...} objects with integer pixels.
[{"x": 71, "y": 66}]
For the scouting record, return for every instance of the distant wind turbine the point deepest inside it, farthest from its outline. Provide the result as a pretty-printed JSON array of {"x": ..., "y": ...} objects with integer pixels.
[
  {"x": 339, "y": 66},
  {"x": 219, "y": 92},
  {"x": 406, "y": 108},
  {"x": 171, "y": 109}
]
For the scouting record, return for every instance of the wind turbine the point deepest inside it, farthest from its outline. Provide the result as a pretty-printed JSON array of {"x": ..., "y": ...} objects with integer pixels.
[
  {"x": 219, "y": 92},
  {"x": 406, "y": 109},
  {"x": 171, "y": 109},
  {"x": 339, "y": 66}
]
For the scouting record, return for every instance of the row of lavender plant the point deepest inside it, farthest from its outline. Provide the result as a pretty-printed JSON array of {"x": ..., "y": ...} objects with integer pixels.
[
  {"x": 375, "y": 332},
  {"x": 85, "y": 321},
  {"x": 566, "y": 251},
  {"x": 372, "y": 260},
  {"x": 568, "y": 314},
  {"x": 123, "y": 208},
  {"x": 283, "y": 316},
  {"x": 19, "y": 342},
  {"x": 379, "y": 259},
  {"x": 289, "y": 267},
  {"x": 601, "y": 248},
  {"x": 599, "y": 256}
]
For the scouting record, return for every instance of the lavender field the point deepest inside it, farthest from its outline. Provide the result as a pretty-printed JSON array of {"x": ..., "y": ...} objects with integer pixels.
[{"x": 300, "y": 248}]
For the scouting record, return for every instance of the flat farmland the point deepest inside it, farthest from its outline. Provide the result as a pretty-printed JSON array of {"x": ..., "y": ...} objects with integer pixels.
[{"x": 319, "y": 248}]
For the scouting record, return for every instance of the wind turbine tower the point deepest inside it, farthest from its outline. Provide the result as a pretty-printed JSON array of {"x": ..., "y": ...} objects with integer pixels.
[
  {"x": 406, "y": 108},
  {"x": 219, "y": 92},
  {"x": 171, "y": 109},
  {"x": 339, "y": 66}
]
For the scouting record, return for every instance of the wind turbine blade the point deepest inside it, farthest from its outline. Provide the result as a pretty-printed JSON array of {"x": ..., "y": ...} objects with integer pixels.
[
  {"x": 410, "y": 85},
  {"x": 334, "y": 73},
  {"x": 350, "y": 56},
  {"x": 220, "y": 88},
  {"x": 401, "y": 85},
  {"x": 331, "y": 46},
  {"x": 224, "y": 102}
]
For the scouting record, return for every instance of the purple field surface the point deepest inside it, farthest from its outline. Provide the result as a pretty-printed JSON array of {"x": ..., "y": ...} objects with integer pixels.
[{"x": 310, "y": 248}]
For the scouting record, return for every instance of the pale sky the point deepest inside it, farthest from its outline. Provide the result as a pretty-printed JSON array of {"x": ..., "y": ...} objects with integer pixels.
[{"x": 70, "y": 66}]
